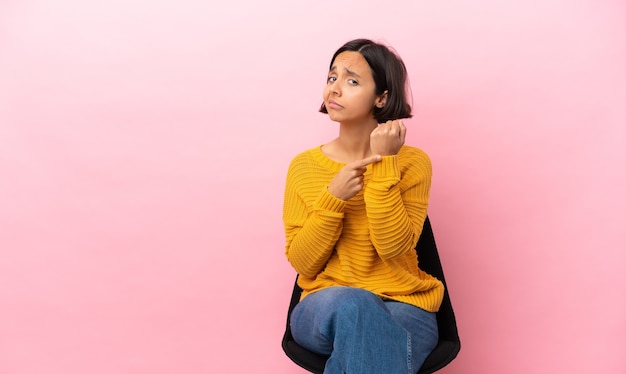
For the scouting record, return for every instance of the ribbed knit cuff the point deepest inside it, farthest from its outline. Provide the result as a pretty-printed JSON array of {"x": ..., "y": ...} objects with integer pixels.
[
  {"x": 386, "y": 168},
  {"x": 327, "y": 201}
]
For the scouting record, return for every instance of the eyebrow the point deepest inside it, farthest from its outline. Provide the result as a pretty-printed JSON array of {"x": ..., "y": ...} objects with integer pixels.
[{"x": 350, "y": 72}]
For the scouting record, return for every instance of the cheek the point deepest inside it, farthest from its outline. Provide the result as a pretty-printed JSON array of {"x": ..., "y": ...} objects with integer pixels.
[
  {"x": 367, "y": 100},
  {"x": 325, "y": 91}
]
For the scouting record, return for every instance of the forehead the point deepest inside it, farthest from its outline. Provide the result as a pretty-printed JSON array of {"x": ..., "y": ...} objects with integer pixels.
[{"x": 353, "y": 61}]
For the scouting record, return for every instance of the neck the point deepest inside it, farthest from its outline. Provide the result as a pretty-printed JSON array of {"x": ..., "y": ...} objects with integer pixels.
[{"x": 353, "y": 142}]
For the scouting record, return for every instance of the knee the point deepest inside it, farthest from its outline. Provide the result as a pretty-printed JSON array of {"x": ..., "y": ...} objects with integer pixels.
[
  {"x": 339, "y": 301},
  {"x": 356, "y": 301}
]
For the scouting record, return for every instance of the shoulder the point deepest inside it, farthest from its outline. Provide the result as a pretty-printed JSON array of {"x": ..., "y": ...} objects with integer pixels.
[
  {"x": 306, "y": 157},
  {"x": 305, "y": 163},
  {"x": 412, "y": 156},
  {"x": 414, "y": 164}
]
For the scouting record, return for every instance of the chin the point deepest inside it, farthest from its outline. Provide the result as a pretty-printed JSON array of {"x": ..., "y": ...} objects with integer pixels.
[{"x": 334, "y": 117}]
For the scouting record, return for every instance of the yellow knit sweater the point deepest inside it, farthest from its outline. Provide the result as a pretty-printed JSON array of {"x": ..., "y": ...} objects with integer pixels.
[{"x": 367, "y": 241}]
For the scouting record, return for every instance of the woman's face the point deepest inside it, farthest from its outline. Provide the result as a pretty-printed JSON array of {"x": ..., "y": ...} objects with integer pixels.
[{"x": 350, "y": 92}]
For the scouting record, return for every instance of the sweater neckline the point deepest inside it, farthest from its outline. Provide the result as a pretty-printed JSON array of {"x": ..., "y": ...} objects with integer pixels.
[{"x": 325, "y": 160}]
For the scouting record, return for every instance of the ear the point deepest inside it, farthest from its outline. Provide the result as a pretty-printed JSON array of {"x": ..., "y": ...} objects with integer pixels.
[{"x": 381, "y": 100}]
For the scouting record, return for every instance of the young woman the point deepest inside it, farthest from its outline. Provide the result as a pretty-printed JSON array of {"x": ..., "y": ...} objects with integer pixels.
[{"x": 353, "y": 212}]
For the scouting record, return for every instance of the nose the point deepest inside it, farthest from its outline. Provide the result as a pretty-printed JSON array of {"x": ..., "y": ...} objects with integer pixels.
[{"x": 335, "y": 88}]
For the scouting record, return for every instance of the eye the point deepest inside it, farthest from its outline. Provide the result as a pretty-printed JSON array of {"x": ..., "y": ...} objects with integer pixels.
[
  {"x": 331, "y": 79},
  {"x": 353, "y": 82}
]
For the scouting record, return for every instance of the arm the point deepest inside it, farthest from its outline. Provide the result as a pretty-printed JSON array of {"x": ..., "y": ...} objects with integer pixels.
[
  {"x": 396, "y": 198},
  {"x": 397, "y": 201},
  {"x": 313, "y": 220},
  {"x": 314, "y": 210}
]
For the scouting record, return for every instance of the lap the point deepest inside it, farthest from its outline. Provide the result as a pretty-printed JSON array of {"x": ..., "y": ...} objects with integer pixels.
[
  {"x": 325, "y": 303},
  {"x": 332, "y": 313}
]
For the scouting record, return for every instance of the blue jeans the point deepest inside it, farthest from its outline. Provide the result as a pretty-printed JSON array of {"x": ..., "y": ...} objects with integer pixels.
[{"x": 362, "y": 333}]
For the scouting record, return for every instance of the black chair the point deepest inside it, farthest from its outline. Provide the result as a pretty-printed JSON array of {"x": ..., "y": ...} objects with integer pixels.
[{"x": 449, "y": 344}]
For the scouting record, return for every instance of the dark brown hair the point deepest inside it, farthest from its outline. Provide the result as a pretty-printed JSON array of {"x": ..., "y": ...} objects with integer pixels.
[{"x": 389, "y": 74}]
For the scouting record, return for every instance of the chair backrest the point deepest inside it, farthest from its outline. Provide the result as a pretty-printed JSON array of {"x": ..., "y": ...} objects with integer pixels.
[{"x": 449, "y": 343}]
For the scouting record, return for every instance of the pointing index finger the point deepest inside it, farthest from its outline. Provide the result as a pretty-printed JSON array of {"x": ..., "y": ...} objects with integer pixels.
[{"x": 369, "y": 160}]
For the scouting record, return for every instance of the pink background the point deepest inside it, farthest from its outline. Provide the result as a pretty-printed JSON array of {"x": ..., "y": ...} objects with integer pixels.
[{"x": 144, "y": 146}]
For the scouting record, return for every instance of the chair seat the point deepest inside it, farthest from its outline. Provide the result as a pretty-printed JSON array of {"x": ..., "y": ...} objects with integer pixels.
[
  {"x": 444, "y": 352},
  {"x": 306, "y": 359}
]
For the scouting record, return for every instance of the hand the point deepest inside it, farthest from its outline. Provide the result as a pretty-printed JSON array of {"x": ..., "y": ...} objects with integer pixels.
[
  {"x": 349, "y": 181},
  {"x": 388, "y": 138}
]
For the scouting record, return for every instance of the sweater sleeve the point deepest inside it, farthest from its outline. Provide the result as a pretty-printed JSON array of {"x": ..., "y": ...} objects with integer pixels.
[
  {"x": 313, "y": 220},
  {"x": 397, "y": 201}
]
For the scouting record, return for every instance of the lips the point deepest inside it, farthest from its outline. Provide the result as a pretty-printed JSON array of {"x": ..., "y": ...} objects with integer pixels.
[{"x": 333, "y": 105}]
